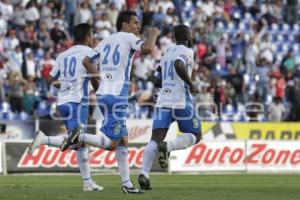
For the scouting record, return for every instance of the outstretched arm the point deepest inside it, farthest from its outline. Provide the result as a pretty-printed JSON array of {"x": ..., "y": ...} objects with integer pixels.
[{"x": 149, "y": 43}]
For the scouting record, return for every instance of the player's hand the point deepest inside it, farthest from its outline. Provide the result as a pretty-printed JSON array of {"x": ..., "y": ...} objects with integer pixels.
[
  {"x": 194, "y": 89},
  {"x": 154, "y": 31}
]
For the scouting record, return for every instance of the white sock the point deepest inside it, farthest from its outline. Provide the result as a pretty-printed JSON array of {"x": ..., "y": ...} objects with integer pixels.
[
  {"x": 82, "y": 157},
  {"x": 99, "y": 140},
  {"x": 122, "y": 160},
  {"x": 54, "y": 141},
  {"x": 182, "y": 142},
  {"x": 148, "y": 157}
]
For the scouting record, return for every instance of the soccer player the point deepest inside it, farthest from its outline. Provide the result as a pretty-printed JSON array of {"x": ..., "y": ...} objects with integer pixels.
[
  {"x": 173, "y": 104},
  {"x": 115, "y": 54},
  {"x": 73, "y": 98}
]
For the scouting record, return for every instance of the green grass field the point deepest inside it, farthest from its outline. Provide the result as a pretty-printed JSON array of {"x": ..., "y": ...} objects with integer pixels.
[{"x": 170, "y": 187}]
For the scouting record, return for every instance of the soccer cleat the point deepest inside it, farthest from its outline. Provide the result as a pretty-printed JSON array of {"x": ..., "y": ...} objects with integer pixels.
[
  {"x": 163, "y": 158},
  {"x": 89, "y": 186},
  {"x": 37, "y": 142},
  {"x": 131, "y": 190},
  {"x": 144, "y": 182},
  {"x": 71, "y": 139}
]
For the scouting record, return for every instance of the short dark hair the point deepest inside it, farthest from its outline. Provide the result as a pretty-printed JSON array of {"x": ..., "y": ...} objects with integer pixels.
[
  {"x": 124, "y": 16},
  {"x": 180, "y": 32},
  {"x": 81, "y": 31}
]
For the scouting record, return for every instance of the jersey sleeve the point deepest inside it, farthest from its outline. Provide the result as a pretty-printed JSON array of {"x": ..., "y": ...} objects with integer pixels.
[
  {"x": 55, "y": 72},
  {"x": 94, "y": 55},
  {"x": 135, "y": 42},
  {"x": 184, "y": 58}
]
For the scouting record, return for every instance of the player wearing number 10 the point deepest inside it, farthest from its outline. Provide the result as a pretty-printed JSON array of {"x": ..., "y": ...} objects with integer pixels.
[
  {"x": 72, "y": 99},
  {"x": 114, "y": 55}
]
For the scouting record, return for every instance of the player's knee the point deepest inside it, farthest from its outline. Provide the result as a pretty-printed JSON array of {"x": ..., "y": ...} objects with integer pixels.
[
  {"x": 113, "y": 145},
  {"x": 156, "y": 138}
]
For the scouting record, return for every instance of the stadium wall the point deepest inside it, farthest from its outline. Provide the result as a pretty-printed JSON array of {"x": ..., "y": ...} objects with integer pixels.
[{"x": 226, "y": 147}]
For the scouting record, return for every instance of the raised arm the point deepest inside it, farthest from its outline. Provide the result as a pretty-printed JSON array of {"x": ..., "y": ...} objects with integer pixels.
[{"x": 149, "y": 43}]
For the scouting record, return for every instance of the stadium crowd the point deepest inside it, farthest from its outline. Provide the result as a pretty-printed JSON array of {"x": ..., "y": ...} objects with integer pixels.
[{"x": 247, "y": 53}]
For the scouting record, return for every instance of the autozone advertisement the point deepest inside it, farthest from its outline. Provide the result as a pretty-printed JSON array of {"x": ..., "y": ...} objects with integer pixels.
[
  {"x": 210, "y": 156},
  {"x": 250, "y": 156},
  {"x": 50, "y": 159},
  {"x": 273, "y": 156}
]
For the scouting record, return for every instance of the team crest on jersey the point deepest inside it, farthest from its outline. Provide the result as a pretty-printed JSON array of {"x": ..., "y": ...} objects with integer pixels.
[
  {"x": 195, "y": 122},
  {"x": 167, "y": 91},
  {"x": 117, "y": 128},
  {"x": 108, "y": 76}
]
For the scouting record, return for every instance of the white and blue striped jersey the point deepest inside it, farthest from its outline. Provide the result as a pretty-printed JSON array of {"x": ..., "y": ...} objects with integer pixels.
[
  {"x": 72, "y": 75},
  {"x": 174, "y": 92},
  {"x": 115, "y": 54}
]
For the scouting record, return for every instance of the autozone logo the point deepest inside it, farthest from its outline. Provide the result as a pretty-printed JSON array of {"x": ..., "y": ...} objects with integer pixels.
[
  {"x": 259, "y": 154},
  {"x": 48, "y": 157}
]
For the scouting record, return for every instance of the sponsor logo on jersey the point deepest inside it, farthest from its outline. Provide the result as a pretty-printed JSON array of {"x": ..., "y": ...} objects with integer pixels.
[
  {"x": 195, "y": 122},
  {"x": 108, "y": 76},
  {"x": 117, "y": 128},
  {"x": 167, "y": 91}
]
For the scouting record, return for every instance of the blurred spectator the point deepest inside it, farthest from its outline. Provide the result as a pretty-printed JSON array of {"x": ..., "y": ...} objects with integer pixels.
[
  {"x": 112, "y": 13},
  {"x": 30, "y": 65},
  {"x": 166, "y": 42},
  {"x": 3, "y": 77},
  {"x": 292, "y": 11},
  {"x": 250, "y": 57},
  {"x": 288, "y": 63},
  {"x": 27, "y": 37},
  {"x": 6, "y": 9},
  {"x": 19, "y": 19},
  {"x": 31, "y": 12},
  {"x": 237, "y": 82},
  {"x": 10, "y": 42},
  {"x": 57, "y": 35},
  {"x": 44, "y": 38},
  {"x": 16, "y": 94},
  {"x": 293, "y": 96},
  {"x": 276, "y": 110},
  {"x": 143, "y": 67},
  {"x": 15, "y": 61},
  {"x": 83, "y": 14},
  {"x": 199, "y": 18},
  {"x": 3, "y": 25},
  {"x": 46, "y": 65},
  {"x": 262, "y": 78},
  {"x": 70, "y": 11}
]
